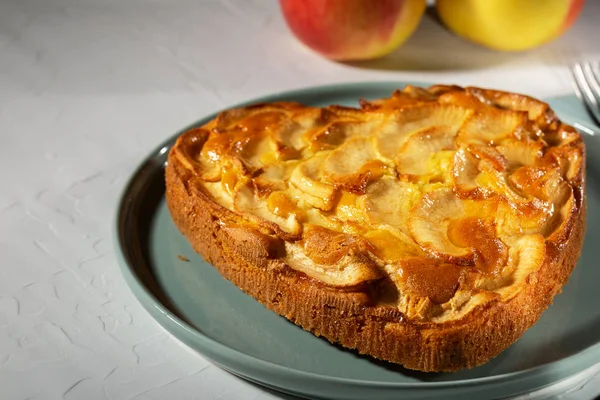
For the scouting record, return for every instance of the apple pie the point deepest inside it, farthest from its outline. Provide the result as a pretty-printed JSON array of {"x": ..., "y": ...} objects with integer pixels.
[{"x": 429, "y": 229}]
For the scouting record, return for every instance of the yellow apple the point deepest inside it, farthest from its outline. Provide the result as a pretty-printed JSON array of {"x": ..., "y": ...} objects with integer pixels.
[
  {"x": 352, "y": 29},
  {"x": 509, "y": 25}
]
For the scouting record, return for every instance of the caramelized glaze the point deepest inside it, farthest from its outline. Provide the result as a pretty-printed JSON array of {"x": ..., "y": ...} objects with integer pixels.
[
  {"x": 478, "y": 235},
  {"x": 427, "y": 277}
]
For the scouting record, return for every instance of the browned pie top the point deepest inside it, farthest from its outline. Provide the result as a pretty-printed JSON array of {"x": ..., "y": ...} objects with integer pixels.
[{"x": 451, "y": 194}]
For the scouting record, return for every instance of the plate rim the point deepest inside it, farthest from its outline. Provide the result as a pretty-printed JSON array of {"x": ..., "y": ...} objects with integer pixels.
[{"x": 168, "y": 320}]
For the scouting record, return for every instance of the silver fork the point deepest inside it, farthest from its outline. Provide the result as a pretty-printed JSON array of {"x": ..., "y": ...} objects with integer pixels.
[{"x": 587, "y": 87}]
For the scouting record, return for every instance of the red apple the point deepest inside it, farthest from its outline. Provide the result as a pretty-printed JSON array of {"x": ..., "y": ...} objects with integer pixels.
[{"x": 352, "y": 29}]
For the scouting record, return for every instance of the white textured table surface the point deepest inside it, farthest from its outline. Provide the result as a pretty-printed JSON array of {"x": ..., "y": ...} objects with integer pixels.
[{"x": 89, "y": 87}]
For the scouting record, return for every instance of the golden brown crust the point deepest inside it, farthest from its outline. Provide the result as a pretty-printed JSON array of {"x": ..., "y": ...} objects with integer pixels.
[
  {"x": 347, "y": 318},
  {"x": 250, "y": 255}
]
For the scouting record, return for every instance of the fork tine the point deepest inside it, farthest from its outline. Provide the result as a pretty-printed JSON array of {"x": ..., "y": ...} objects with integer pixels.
[
  {"x": 585, "y": 92},
  {"x": 593, "y": 79}
]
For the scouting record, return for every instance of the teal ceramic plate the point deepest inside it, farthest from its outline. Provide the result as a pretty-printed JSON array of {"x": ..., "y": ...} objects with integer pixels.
[{"x": 206, "y": 312}]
